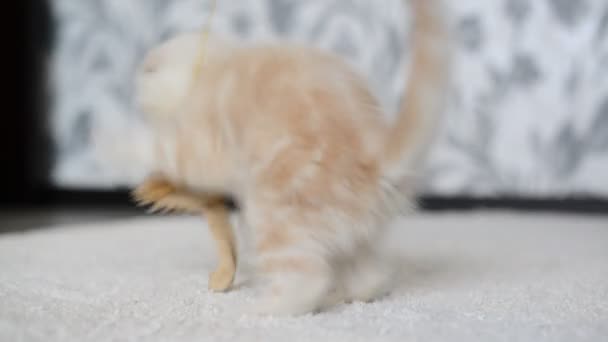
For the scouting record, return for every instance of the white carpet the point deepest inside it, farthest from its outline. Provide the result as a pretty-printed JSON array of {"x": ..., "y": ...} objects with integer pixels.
[{"x": 467, "y": 277}]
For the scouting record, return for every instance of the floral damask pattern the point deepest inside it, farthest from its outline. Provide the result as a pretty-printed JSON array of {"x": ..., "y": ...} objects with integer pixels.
[{"x": 527, "y": 114}]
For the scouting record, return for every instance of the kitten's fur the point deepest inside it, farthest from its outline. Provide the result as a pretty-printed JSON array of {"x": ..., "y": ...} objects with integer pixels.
[{"x": 298, "y": 139}]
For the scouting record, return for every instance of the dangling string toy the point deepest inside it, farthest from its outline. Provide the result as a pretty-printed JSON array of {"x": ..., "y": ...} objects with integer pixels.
[{"x": 198, "y": 67}]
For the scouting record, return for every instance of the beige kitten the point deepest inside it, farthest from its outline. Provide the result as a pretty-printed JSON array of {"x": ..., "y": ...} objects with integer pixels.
[{"x": 295, "y": 135}]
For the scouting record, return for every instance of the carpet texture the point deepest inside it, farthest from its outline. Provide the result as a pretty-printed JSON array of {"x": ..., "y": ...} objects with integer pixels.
[{"x": 465, "y": 277}]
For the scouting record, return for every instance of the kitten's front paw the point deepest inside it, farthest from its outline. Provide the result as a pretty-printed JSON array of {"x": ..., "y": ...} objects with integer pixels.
[
  {"x": 153, "y": 190},
  {"x": 221, "y": 279}
]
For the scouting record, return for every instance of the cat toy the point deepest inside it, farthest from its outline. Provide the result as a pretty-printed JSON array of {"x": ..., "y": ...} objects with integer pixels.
[
  {"x": 198, "y": 68},
  {"x": 164, "y": 196}
]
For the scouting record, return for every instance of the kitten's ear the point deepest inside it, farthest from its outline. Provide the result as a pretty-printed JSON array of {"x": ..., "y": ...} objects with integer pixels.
[{"x": 151, "y": 63}]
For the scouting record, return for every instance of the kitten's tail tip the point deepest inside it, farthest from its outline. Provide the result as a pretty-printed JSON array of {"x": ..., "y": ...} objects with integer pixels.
[{"x": 426, "y": 89}]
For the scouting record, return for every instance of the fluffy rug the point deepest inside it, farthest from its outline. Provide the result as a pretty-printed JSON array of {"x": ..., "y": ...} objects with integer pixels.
[{"x": 465, "y": 277}]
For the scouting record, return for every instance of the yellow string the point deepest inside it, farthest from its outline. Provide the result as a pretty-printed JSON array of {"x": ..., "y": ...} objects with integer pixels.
[{"x": 198, "y": 68}]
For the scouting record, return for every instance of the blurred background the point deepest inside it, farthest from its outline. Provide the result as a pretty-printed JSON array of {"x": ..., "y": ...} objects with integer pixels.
[{"x": 526, "y": 126}]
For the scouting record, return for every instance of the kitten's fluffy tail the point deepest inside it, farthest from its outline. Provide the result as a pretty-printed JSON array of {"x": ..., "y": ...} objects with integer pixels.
[{"x": 423, "y": 101}]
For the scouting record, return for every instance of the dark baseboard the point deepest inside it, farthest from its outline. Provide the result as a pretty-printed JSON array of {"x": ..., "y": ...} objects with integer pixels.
[
  {"x": 583, "y": 205},
  {"x": 122, "y": 199},
  {"x": 85, "y": 199}
]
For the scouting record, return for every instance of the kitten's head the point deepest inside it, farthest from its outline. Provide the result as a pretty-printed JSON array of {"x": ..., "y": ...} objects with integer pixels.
[{"x": 165, "y": 76}]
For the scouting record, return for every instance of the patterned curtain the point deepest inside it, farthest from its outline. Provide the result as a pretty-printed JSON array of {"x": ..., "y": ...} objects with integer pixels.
[{"x": 527, "y": 115}]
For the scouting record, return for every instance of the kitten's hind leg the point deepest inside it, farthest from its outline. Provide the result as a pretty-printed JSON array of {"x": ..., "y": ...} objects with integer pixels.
[
  {"x": 295, "y": 276},
  {"x": 368, "y": 275}
]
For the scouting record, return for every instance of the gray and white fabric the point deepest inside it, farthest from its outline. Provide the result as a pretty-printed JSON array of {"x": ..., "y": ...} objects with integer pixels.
[{"x": 527, "y": 114}]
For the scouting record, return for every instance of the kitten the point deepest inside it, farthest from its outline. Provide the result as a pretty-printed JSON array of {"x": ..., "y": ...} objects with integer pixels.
[{"x": 295, "y": 135}]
